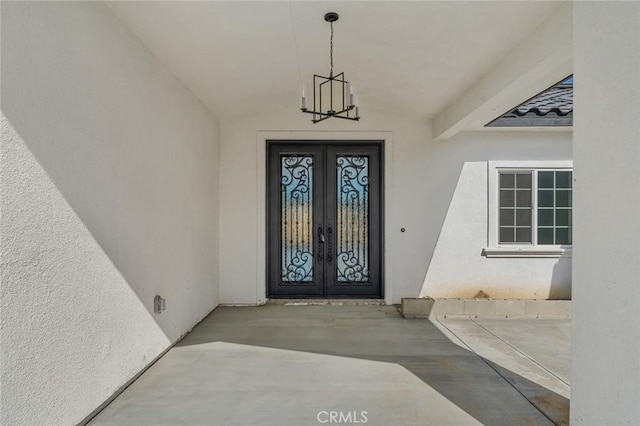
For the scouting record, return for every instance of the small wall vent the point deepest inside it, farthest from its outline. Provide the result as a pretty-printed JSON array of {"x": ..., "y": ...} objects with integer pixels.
[{"x": 159, "y": 304}]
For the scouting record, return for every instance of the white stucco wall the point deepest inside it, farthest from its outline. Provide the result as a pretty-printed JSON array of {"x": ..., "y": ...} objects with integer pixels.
[
  {"x": 457, "y": 189},
  {"x": 109, "y": 176},
  {"x": 605, "y": 335},
  {"x": 429, "y": 184},
  {"x": 242, "y": 192}
]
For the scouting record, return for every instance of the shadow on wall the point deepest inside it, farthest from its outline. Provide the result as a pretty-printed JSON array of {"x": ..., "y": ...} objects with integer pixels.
[
  {"x": 129, "y": 149},
  {"x": 559, "y": 289},
  {"x": 67, "y": 310},
  {"x": 108, "y": 198},
  {"x": 457, "y": 217},
  {"x": 137, "y": 222}
]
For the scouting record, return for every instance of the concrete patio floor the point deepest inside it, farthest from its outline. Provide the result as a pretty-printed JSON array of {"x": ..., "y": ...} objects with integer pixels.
[{"x": 301, "y": 365}]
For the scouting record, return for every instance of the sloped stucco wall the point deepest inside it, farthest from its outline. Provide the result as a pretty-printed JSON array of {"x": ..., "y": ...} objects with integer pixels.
[
  {"x": 458, "y": 209},
  {"x": 109, "y": 177}
]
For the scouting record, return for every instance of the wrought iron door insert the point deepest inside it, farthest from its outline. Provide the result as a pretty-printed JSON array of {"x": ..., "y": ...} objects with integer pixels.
[{"x": 324, "y": 219}]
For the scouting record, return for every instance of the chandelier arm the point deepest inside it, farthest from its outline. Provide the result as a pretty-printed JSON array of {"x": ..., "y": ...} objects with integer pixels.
[
  {"x": 325, "y": 116},
  {"x": 321, "y": 119},
  {"x": 335, "y": 116},
  {"x": 322, "y": 114},
  {"x": 346, "y": 118},
  {"x": 349, "y": 108}
]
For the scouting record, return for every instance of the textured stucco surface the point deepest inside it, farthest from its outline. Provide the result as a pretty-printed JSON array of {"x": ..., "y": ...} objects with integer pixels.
[
  {"x": 110, "y": 184},
  {"x": 459, "y": 185},
  {"x": 438, "y": 193},
  {"x": 605, "y": 353},
  {"x": 108, "y": 179}
]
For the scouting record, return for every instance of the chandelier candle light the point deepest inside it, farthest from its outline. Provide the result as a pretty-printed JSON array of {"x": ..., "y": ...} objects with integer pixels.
[{"x": 336, "y": 91}]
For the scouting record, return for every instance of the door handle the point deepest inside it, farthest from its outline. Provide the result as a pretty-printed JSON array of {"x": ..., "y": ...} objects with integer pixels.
[
  {"x": 320, "y": 243},
  {"x": 330, "y": 248}
]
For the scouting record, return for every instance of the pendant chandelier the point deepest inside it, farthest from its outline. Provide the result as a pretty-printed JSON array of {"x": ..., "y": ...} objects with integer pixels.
[{"x": 333, "y": 96}]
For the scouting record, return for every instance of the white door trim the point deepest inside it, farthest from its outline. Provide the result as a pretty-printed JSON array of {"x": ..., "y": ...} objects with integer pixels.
[{"x": 261, "y": 154}]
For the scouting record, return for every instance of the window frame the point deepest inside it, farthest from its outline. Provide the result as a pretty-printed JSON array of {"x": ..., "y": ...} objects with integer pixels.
[{"x": 533, "y": 249}]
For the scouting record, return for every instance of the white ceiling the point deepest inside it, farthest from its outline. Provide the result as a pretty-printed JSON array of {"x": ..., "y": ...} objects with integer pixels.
[{"x": 414, "y": 57}]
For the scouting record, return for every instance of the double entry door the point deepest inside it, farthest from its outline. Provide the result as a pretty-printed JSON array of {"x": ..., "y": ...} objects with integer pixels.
[{"x": 324, "y": 219}]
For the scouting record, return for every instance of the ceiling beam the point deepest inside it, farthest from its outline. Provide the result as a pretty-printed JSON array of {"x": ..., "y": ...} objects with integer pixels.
[{"x": 542, "y": 59}]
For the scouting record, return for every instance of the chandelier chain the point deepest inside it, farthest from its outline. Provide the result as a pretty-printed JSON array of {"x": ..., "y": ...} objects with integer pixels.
[{"x": 331, "y": 51}]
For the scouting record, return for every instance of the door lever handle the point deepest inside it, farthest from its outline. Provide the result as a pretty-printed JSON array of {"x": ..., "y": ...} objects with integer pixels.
[
  {"x": 320, "y": 244},
  {"x": 330, "y": 248}
]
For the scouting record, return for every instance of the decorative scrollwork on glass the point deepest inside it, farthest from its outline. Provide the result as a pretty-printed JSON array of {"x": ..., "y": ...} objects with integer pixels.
[
  {"x": 352, "y": 258},
  {"x": 296, "y": 187}
]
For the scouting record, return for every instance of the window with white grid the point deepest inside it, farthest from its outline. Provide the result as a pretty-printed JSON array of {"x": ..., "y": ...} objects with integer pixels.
[{"x": 530, "y": 206}]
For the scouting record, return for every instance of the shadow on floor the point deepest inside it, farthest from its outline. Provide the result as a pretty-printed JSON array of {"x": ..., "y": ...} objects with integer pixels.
[
  {"x": 555, "y": 407},
  {"x": 491, "y": 394}
]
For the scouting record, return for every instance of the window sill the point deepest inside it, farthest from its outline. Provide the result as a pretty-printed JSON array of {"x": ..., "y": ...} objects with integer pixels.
[{"x": 532, "y": 252}]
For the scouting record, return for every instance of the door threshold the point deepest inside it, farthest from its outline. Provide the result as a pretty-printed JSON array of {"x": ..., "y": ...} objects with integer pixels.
[{"x": 323, "y": 302}]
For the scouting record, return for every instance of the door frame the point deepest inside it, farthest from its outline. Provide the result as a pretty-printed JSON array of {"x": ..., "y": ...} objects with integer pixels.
[
  {"x": 381, "y": 202},
  {"x": 389, "y": 222}
]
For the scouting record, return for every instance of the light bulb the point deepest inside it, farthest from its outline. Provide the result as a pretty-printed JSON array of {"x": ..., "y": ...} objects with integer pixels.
[
  {"x": 357, "y": 107},
  {"x": 303, "y": 92},
  {"x": 352, "y": 92}
]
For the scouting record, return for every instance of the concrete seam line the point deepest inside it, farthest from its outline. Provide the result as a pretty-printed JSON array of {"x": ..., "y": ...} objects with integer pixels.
[
  {"x": 136, "y": 376},
  {"x": 122, "y": 388},
  {"x": 457, "y": 337},
  {"x": 521, "y": 353},
  {"x": 498, "y": 373}
]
